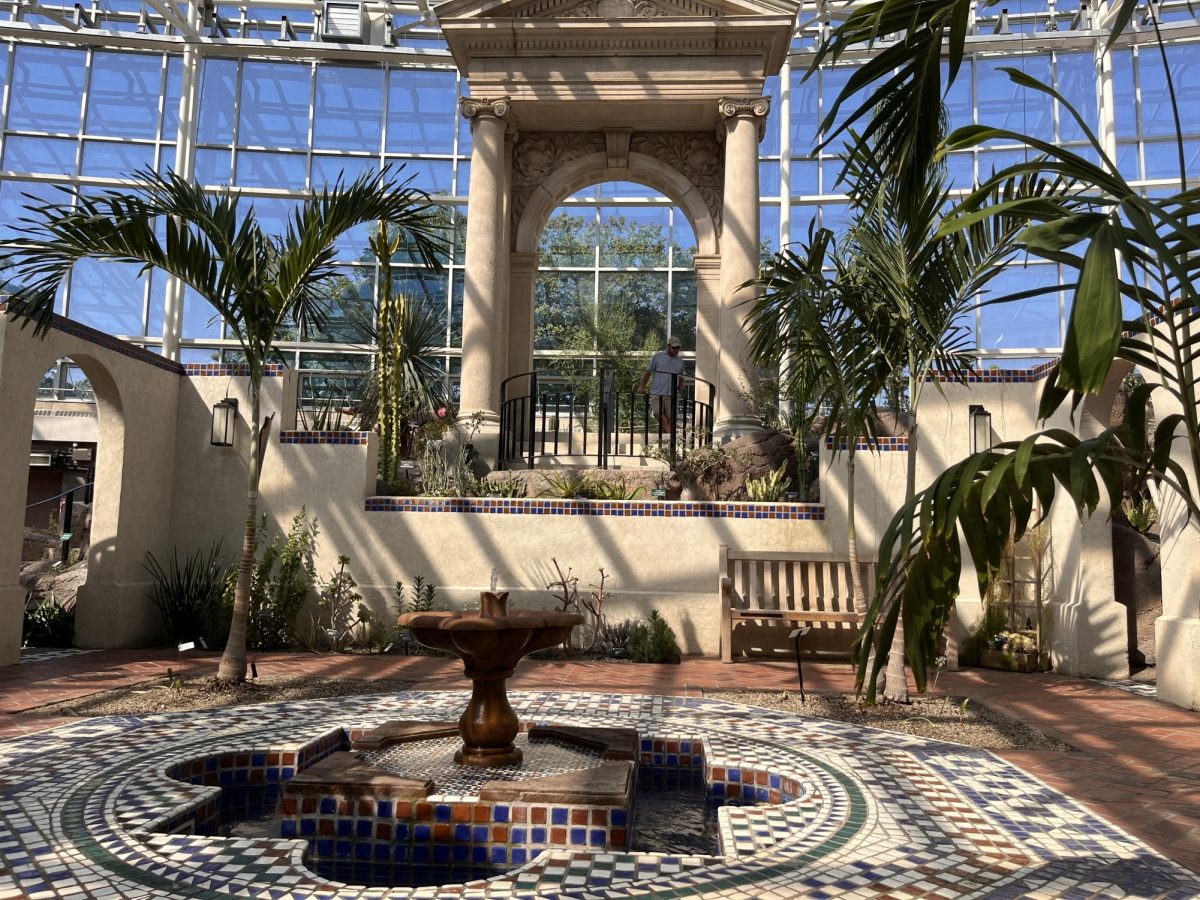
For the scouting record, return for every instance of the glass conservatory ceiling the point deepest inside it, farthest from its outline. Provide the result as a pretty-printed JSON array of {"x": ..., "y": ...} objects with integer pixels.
[{"x": 285, "y": 102}]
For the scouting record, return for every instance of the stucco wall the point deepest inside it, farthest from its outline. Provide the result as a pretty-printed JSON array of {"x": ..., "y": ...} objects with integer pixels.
[{"x": 136, "y": 401}]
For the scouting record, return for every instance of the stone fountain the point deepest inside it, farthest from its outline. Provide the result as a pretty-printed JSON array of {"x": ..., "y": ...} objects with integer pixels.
[
  {"x": 408, "y": 796},
  {"x": 490, "y": 644}
]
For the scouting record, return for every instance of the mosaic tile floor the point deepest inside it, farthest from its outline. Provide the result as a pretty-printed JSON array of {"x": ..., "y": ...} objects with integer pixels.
[{"x": 881, "y": 814}]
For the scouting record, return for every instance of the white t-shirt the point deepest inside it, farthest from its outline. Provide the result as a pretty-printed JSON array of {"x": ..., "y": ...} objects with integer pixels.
[{"x": 665, "y": 369}]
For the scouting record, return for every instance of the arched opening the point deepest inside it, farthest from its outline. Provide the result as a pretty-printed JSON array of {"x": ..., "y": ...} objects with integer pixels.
[{"x": 73, "y": 472}]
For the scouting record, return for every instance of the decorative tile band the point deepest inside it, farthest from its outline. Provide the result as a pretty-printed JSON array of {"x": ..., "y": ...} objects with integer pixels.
[
  {"x": 881, "y": 444},
  {"x": 324, "y": 437},
  {"x": 108, "y": 342},
  {"x": 204, "y": 370},
  {"x": 999, "y": 376},
  {"x": 667, "y": 509}
]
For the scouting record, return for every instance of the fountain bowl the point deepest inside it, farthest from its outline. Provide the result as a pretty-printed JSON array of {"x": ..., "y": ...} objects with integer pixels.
[{"x": 490, "y": 643}]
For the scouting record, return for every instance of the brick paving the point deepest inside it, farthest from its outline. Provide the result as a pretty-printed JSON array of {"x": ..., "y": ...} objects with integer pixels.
[{"x": 1138, "y": 765}]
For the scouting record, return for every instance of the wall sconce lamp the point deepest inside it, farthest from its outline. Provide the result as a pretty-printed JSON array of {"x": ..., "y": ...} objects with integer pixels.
[
  {"x": 981, "y": 429},
  {"x": 224, "y": 422}
]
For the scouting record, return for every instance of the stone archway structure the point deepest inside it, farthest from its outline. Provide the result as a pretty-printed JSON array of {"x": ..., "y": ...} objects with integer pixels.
[{"x": 569, "y": 93}]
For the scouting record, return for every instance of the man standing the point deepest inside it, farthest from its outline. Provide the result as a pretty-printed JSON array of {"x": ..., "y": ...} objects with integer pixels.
[{"x": 666, "y": 368}]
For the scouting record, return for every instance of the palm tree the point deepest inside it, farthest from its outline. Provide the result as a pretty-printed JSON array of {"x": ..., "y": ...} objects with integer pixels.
[
  {"x": 808, "y": 314},
  {"x": 1154, "y": 240},
  {"x": 915, "y": 286},
  {"x": 257, "y": 283}
]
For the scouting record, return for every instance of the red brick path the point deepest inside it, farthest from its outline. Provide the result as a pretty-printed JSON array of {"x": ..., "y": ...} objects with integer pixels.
[{"x": 1139, "y": 764}]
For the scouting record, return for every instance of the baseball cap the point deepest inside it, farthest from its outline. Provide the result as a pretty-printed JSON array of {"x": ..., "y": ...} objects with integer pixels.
[{"x": 673, "y": 342}]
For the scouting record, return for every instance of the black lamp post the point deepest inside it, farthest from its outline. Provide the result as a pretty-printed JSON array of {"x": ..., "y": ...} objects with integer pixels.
[
  {"x": 981, "y": 429},
  {"x": 224, "y": 422}
]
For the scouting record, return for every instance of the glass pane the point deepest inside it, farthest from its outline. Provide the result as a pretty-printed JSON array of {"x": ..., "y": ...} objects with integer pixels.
[
  {"x": 272, "y": 170},
  {"x": 804, "y": 180},
  {"x": 106, "y": 159},
  {"x": 123, "y": 95},
  {"x": 422, "y": 111},
  {"x": 200, "y": 319},
  {"x": 35, "y": 154},
  {"x": 218, "y": 100},
  {"x": 14, "y": 203},
  {"x": 568, "y": 239},
  {"x": 1124, "y": 104},
  {"x": 644, "y": 296},
  {"x": 433, "y": 176},
  {"x": 1004, "y": 104},
  {"x": 768, "y": 179},
  {"x": 626, "y": 189},
  {"x": 804, "y": 113},
  {"x": 457, "y": 284},
  {"x": 683, "y": 247},
  {"x": 170, "y": 129},
  {"x": 427, "y": 288},
  {"x": 349, "y": 307},
  {"x": 959, "y": 107},
  {"x": 47, "y": 89},
  {"x": 1033, "y": 322},
  {"x": 272, "y": 213},
  {"x": 348, "y": 112},
  {"x": 1077, "y": 83},
  {"x": 683, "y": 309},
  {"x": 213, "y": 166},
  {"x": 1185, "y": 72},
  {"x": 326, "y": 169},
  {"x": 107, "y": 296},
  {"x": 768, "y": 238},
  {"x": 275, "y": 105},
  {"x": 562, "y": 300},
  {"x": 633, "y": 236},
  {"x": 770, "y": 142}
]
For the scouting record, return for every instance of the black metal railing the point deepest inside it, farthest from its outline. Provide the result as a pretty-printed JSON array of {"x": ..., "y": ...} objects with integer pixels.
[{"x": 542, "y": 417}]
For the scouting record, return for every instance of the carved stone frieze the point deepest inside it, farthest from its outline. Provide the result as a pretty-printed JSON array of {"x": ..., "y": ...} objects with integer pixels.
[
  {"x": 696, "y": 155},
  {"x": 537, "y": 155},
  {"x": 614, "y": 9}
]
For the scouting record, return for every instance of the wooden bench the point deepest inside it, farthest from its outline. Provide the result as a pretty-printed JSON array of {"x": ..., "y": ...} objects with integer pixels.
[{"x": 812, "y": 589}]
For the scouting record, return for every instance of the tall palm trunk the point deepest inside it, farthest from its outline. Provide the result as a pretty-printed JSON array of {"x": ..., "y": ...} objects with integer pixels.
[
  {"x": 233, "y": 660},
  {"x": 896, "y": 681}
]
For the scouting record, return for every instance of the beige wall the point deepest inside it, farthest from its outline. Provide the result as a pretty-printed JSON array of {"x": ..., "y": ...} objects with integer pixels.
[{"x": 134, "y": 472}]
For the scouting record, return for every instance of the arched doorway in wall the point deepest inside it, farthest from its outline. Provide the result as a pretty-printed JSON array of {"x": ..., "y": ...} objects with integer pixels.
[
  {"x": 68, "y": 540},
  {"x": 58, "y": 503}
]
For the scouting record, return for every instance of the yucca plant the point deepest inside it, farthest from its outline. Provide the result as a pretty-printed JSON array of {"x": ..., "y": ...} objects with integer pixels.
[
  {"x": 258, "y": 284},
  {"x": 770, "y": 488},
  {"x": 188, "y": 595}
]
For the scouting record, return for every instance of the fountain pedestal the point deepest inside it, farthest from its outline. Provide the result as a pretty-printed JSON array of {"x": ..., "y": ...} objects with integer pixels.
[{"x": 490, "y": 644}]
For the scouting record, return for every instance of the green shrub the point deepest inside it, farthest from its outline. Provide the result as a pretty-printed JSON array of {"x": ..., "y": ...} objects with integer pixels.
[
  {"x": 1140, "y": 513},
  {"x": 282, "y": 576},
  {"x": 615, "y": 490},
  {"x": 339, "y": 599},
  {"x": 983, "y": 635},
  {"x": 420, "y": 598},
  {"x": 653, "y": 641},
  {"x": 190, "y": 597},
  {"x": 48, "y": 623}
]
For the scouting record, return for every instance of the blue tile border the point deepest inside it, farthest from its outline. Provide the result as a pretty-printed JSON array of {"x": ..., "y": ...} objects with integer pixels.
[
  {"x": 881, "y": 444},
  {"x": 667, "y": 509},
  {"x": 999, "y": 376},
  {"x": 324, "y": 437},
  {"x": 204, "y": 370}
]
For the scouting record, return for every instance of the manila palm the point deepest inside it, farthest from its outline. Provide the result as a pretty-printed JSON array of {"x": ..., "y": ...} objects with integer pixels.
[{"x": 259, "y": 284}]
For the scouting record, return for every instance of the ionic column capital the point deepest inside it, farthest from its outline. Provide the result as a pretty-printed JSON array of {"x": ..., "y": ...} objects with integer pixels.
[
  {"x": 730, "y": 109},
  {"x": 485, "y": 107}
]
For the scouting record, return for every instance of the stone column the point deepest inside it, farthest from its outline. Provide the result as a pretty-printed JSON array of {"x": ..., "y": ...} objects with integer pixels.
[
  {"x": 484, "y": 292},
  {"x": 522, "y": 276},
  {"x": 743, "y": 122}
]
